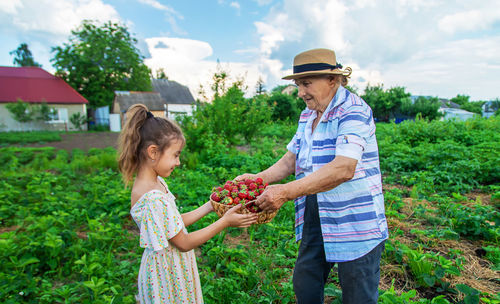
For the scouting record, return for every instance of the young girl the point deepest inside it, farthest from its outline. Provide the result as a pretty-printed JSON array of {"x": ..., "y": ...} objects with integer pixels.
[{"x": 150, "y": 147}]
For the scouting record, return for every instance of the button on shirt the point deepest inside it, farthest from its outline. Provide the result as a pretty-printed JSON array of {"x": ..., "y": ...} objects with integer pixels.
[{"x": 352, "y": 214}]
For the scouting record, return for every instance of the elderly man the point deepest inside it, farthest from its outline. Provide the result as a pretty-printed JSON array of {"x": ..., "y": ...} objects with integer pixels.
[{"x": 339, "y": 205}]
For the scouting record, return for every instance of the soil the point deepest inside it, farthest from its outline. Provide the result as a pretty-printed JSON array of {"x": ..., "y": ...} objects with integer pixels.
[{"x": 83, "y": 141}]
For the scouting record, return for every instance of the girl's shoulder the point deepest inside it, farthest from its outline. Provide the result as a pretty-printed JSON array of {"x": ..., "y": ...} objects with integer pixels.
[{"x": 147, "y": 193}]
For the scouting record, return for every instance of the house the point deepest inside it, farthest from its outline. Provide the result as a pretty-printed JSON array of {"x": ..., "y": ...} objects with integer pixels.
[
  {"x": 490, "y": 107},
  {"x": 177, "y": 97},
  {"x": 34, "y": 85},
  {"x": 289, "y": 89},
  {"x": 459, "y": 114},
  {"x": 124, "y": 99}
]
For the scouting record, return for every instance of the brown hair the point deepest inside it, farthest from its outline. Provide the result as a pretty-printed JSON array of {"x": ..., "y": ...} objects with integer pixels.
[{"x": 141, "y": 130}]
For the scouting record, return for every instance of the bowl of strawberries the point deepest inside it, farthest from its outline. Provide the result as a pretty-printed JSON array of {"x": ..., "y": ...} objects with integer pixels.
[{"x": 245, "y": 193}]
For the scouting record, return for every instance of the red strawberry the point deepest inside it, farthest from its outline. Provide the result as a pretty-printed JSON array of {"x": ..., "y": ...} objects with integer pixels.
[
  {"x": 251, "y": 195},
  {"x": 220, "y": 189},
  {"x": 243, "y": 187},
  {"x": 234, "y": 193},
  {"x": 215, "y": 197},
  {"x": 236, "y": 200},
  {"x": 252, "y": 186},
  {"x": 248, "y": 181},
  {"x": 227, "y": 200},
  {"x": 259, "y": 180},
  {"x": 228, "y": 187},
  {"x": 242, "y": 195}
]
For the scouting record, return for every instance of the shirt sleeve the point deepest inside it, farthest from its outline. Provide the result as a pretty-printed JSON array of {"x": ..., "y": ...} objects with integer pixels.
[
  {"x": 354, "y": 130},
  {"x": 160, "y": 222},
  {"x": 292, "y": 145}
]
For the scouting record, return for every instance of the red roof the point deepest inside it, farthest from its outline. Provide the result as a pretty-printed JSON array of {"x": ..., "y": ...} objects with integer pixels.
[{"x": 35, "y": 85}]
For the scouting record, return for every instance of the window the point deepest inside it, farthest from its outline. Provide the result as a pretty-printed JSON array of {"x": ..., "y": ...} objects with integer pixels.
[{"x": 59, "y": 115}]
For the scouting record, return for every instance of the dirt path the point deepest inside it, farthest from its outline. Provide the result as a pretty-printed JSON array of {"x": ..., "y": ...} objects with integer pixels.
[{"x": 83, "y": 141}]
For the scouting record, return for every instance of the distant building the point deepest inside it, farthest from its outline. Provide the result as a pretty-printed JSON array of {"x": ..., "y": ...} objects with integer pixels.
[
  {"x": 177, "y": 97},
  {"x": 490, "y": 107},
  {"x": 452, "y": 113},
  {"x": 168, "y": 99},
  {"x": 34, "y": 85},
  {"x": 289, "y": 89}
]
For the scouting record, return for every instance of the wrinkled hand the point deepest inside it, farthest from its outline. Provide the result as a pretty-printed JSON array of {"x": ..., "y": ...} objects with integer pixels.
[
  {"x": 245, "y": 176},
  {"x": 235, "y": 219},
  {"x": 273, "y": 197}
]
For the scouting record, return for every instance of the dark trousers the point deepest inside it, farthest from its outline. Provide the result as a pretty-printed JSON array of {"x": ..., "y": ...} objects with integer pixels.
[{"x": 359, "y": 279}]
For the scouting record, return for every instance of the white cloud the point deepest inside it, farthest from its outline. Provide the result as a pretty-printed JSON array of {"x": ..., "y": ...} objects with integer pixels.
[
  {"x": 397, "y": 43},
  {"x": 171, "y": 15},
  {"x": 186, "y": 61},
  {"x": 53, "y": 19},
  {"x": 46, "y": 23},
  {"x": 236, "y": 6},
  {"x": 10, "y": 7},
  {"x": 471, "y": 20}
]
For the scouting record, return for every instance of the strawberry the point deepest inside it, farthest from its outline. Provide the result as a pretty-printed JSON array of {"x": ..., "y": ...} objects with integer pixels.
[
  {"x": 243, "y": 187},
  {"x": 228, "y": 187},
  {"x": 227, "y": 200},
  {"x": 252, "y": 186},
  {"x": 234, "y": 193},
  {"x": 259, "y": 180},
  {"x": 236, "y": 200},
  {"x": 242, "y": 195},
  {"x": 223, "y": 193},
  {"x": 251, "y": 195},
  {"x": 215, "y": 197}
]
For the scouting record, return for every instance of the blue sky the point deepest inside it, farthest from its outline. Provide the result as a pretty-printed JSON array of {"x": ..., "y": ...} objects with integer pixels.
[{"x": 433, "y": 47}]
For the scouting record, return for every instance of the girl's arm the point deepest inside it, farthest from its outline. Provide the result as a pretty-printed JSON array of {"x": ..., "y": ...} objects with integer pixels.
[
  {"x": 192, "y": 217},
  {"x": 187, "y": 241}
]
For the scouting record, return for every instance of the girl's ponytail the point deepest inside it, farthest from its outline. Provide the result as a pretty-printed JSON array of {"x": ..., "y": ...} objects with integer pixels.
[
  {"x": 130, "y": 140},
  {"x": 142, "y": 129}
]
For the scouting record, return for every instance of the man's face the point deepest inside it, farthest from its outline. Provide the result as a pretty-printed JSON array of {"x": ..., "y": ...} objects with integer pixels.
[{"x": 316, "y": 91}]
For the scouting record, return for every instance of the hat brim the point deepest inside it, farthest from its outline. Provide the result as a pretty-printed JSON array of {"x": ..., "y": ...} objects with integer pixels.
[{"x": 316, "y": 73}]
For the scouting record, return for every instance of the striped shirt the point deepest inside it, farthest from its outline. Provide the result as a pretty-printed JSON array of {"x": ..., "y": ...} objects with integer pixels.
[{"x": 352, "y": 214}]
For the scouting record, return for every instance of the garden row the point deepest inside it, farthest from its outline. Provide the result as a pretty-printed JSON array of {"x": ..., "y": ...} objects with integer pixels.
[{"x": 67, "y": 237}]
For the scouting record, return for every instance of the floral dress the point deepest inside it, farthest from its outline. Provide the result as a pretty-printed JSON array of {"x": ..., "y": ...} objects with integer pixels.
[{"x": 166, "y": 275}]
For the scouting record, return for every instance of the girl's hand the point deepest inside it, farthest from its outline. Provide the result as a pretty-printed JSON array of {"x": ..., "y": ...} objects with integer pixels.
[
  {"x": 209, "y": 207},
  {"x": 234, "y": 219}
]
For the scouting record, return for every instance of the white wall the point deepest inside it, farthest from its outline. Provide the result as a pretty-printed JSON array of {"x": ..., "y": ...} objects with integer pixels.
[{"x": 8, "y": 123}]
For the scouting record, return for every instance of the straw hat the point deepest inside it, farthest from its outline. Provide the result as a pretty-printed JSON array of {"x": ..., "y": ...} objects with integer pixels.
[{"x": 317, "y": 62}]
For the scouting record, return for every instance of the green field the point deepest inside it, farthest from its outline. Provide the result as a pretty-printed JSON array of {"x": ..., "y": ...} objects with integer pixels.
[{"x": 66, "y": 235}]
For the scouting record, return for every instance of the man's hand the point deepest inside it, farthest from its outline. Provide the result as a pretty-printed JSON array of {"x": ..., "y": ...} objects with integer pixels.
[{"x": 273, "y": 197}]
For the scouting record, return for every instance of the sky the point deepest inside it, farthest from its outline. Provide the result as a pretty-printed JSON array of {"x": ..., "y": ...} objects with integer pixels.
[{"x": 435, "y": 48}]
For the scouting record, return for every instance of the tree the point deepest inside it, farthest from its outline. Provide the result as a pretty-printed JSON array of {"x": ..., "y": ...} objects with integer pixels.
[
  {"x": 160, "y": 74},
  {"x": 467, "y": 105},
  {"x": 385, "y": 104},
  {"x": 285, "y": 107},
  {"x": 460, "y": 99},
  {"x": 260, "y": 87},
  {"x": 99, "y": 60},
  {"x": 78, "y": 120},
  {"x": 25, "y": 112},
  {"x": 23, "y": 56},
  {"x": 427, "y": 107}
]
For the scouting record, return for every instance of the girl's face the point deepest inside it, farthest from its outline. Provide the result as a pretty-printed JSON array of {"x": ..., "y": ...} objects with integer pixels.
[{"x": 169, "y": 159}]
